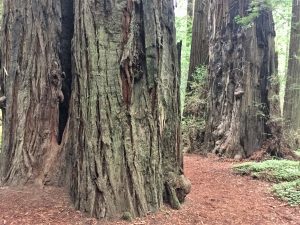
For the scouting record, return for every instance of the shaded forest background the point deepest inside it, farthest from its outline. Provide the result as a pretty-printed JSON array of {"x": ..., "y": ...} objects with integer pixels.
[
  {"x": 194, "y": 120},
  {"x": 282, "y": 17}
]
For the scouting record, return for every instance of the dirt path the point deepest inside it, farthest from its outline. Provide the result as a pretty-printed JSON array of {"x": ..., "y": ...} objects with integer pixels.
[{"x": 217, "y": 198}]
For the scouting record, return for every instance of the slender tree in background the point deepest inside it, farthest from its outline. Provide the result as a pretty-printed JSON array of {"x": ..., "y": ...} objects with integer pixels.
[
  {"x": 101, "y": 117},
  {"x": 195, "y": 104},
  {"x": 189, "y": 20},
  {"x": 200, "y": 38},
  {"x": 292, "y": 91},
  {"x": 240, "y": 67},
  {"x": 190, "y": 8}
]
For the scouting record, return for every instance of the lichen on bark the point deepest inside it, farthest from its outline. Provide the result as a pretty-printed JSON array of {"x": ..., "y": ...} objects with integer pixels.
[
  {"x": 112, "y": 135},
  {"x": 242, "y": 63}
]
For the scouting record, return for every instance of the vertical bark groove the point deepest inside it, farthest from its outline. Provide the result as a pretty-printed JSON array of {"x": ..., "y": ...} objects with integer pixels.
[
  {"x": 65, "y": 56},
  {"x": 292, "y": 93},
  {"x": 200, "y": 38},
  {"x": 241, "y": 65},
  {"x": 94, "y": 107},
  {"x": 128, "y": 82},
  {"x": 33, "y": 80}
]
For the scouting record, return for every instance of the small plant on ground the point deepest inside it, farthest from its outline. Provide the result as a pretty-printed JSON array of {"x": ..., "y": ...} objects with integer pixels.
[
  {"x": 271, "y": 170},
  {"x": 288, "y": 191},
  {"x": 284, "y": 172}
]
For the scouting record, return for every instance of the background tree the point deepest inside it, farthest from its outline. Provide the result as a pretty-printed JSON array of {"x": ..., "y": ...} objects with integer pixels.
[
  {"x": 195, "y": 103},
  {"x": 190, "y": 8},
  {"x": 200, "y": 38},
  {"x": 292, "y": 91},
  {"x": 240, "y": 69},
  {"x": 102, "y": 117}
]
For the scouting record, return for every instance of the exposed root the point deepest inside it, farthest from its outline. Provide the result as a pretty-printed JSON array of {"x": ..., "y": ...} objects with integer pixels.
[
  {"x": 177, "y": 187},
  {"x": 273, "y": 148}
]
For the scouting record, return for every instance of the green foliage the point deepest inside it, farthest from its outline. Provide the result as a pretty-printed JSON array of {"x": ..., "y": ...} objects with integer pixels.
[
  {"x": 193, "y": 123},
  {"x": 288, "y": 191},
  {"x": 197, "y": 95},
  {"x": 271, "y": 170},
  {"x": 183, "y": 25},
  {"x": 285, "y": 171},
  {"x": 200, "y": 75},
  {"x": 282, "y": 16},
  {"x": 298, "y": 152},
  {"x": 253, "y": 12}
]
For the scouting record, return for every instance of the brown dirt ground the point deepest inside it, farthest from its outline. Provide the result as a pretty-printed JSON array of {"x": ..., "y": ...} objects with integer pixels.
[{"x": 218, "y": 198}]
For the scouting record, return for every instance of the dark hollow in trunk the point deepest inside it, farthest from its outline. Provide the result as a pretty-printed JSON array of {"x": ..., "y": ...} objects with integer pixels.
[{"x": 92, "y": 102}]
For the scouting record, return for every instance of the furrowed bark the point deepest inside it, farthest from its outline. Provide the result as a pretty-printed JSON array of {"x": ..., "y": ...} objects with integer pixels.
[
  {"x": 93, "y": 103},
  {"x": 31, "y": 72},
  {"x": 292, "y": 91},
  {"x": 241, "y": 65},
  {"x": 124, "y": 112}
]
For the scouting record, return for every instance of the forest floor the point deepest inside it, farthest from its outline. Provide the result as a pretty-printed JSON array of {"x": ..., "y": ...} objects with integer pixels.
[{"x": 218, "y": 197}]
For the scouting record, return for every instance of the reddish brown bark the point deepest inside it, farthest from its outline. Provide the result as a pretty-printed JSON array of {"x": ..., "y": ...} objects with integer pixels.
[
  {"x": 114, "y": 140},
  {"x": 242, "y": 62}
]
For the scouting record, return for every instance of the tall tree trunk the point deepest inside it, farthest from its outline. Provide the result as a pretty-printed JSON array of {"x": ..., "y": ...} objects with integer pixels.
[
  {"x": 32, "y": 78},
  {"x": 200, "y": 38},
  {"x": 114, "y": 140},
  {"x": 190, "y": 8},
  {"x": 190, "y": 11},
  {"x": 292, "y": 90},
  {"x": 195, "y": 103},
  {"x": 240, "y": 68}
]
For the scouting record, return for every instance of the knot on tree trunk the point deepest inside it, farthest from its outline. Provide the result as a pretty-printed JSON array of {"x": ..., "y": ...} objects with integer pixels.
[{"x": 177, "y": 187}]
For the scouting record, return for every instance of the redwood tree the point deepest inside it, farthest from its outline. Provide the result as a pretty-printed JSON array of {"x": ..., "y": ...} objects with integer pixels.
[
  {"x": 200, "y": 37},
  {"x": 92, "y": 102},
  {"x": 292, "y": 90},
  {"x": 195, "y": 103},
  {"x": 240, "y": 67}
]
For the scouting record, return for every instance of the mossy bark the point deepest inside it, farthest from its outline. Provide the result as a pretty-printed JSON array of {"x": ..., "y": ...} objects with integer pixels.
[
  {"x": 242, "y": 62},
  {"x": 100, "y": 116},
  {"x": 31, "y": 82}
]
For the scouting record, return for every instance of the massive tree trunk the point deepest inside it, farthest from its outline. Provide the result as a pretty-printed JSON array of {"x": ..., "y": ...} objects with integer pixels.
[
  {"x": 102, "y": 118},
  {"x": 200, "y": 38},
  {"x": 292, "y": 91},
  {"x": 240, "y": 68},
  {"x": 32, "y": 81}
]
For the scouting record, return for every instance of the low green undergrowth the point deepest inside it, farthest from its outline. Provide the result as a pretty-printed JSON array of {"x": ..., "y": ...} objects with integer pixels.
[
  {"x": 288, "y": 191},
  {"x": 286, "y": 173},
  {"x": 271, "y": 170}
]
